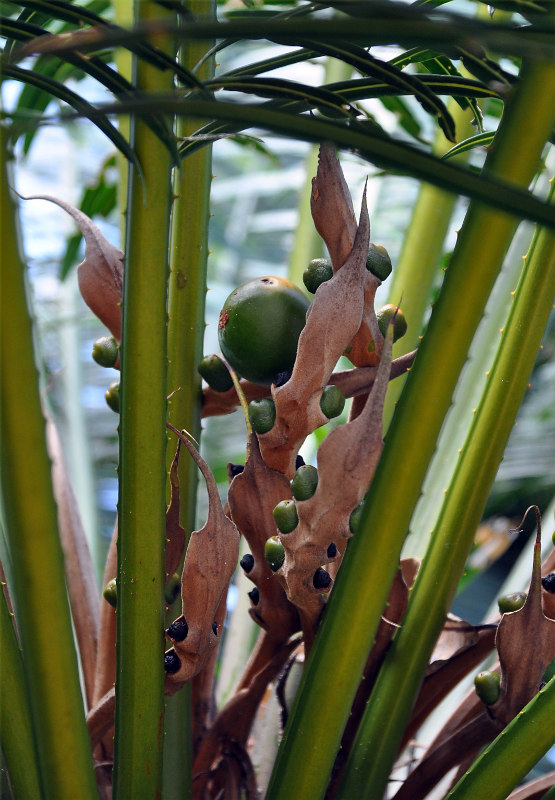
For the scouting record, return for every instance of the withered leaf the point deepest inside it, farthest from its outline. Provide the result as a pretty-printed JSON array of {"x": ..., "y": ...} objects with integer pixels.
[
  {"x": 526, "y": 645},
  {"x": 210, "y": 561},
  {"x": 332, "y": 207},
  {"x": 100, "y": 274},
  {"x": 252, "y": 496},
  {"x": 333, "y": 319}
]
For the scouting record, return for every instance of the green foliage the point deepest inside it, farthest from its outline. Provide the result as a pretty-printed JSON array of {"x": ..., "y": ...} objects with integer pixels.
[{"x": 453, "y": 71}]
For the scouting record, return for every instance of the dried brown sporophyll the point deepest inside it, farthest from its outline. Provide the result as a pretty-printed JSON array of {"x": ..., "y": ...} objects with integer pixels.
[{"x": 210, "y": 562}]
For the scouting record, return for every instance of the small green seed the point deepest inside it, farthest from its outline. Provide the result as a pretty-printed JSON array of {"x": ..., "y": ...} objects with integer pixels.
[
  {"x": 332, "y": 401},
  {"x": 285, "y": 515},
  {"x": 384, "y": 316},
  {"x": 487, "y": 685},
  {"x": 354, "y": 519},
  {"x": 511, "y": 602},
  {"x": 378, "y": 262},
  {"x": 215, "y": 373},
  {"x": 112, "y": 396},
  {"x": 262, "y": 414},
  {"x": 105, "y": 351},
  {"x": 304, "y": 483},
  {"x": 110, "y": 593},
  {"x": 274, "y": 553},
  {"x": 172, "y": 588},
  {"x": 319, "y": 271}
]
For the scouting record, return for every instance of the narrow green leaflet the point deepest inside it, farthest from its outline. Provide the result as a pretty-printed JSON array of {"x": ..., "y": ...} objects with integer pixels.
[
  {"x": 74, "y": 100},
  {"x": 286, "y": 90},
  {"x": 480, "y": 140}
]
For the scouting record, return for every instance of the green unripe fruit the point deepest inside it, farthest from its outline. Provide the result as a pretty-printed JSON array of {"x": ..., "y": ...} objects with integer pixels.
[
  {"x": 319, "y": 271},
  {"x": 259, "y": 327},
  {"x": 215, "y": 373},
  {"x": 304, "y": 483},
  {"x": 384, "y": 316},
  {"x": 487, "y": 685},
  {"x": 262, "y": 414},
  {"x": 105, "y": 351},
  {"x": 378, "y": 261},
  {"x": 172, "y": 588},
  {"x": 285, "y": 515},
  {"x": 354, "y": 519},
  {"x": 332, "y": 401},
  {"x": 110, "y": 593},
  {"x": 112, "y": 396},
  {"x": 511, "y": 602},
  {"x": 274, "y": 553}
]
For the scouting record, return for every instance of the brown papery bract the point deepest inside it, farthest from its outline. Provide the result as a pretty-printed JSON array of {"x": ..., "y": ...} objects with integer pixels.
[{"x": 210, "y": 562}]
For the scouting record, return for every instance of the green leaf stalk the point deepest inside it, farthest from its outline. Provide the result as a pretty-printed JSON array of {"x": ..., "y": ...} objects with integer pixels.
[
  {"x": 38, "y": 589},
  {"x": 142, "y": 474},
  {"x": 387, "y": 713}
]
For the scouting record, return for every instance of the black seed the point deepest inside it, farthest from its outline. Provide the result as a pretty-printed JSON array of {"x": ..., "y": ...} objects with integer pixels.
[
  {"x": 247, "y": 562},
  {"x": 171, "y": 662},
  {"x": 548, "y": 583},
  {"x": 215, "y": 628},
  {"x": 254, "y": 595},
  {"x": 282, "y": 378},
  {"x": 321, "y": 579},
  {"x": 331, "y": 552},
  {"x": 178, "y": 630},
  {"x": 299, "y": 462},
  {"x": 235, "y": 469}
]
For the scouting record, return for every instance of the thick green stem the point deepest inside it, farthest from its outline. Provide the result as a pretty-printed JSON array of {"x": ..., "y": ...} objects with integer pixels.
[
  {"x": 386, "y": 715},
  {"x": 187, "y": 292},
  {"x": 337, "y": 658},
  {"x": 17, "y": 743},
  {"x": 141, "y": 508},
  {"x": 38, "y": 588}
]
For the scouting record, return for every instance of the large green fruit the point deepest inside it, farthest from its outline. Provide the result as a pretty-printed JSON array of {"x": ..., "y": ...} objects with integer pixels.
[{"x": 259, "y": 328}]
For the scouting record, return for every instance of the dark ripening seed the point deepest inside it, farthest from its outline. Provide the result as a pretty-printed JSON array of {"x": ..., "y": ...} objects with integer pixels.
[
  {"x": 235, "y": 469},
  {"x": 254, "y": 595},
  {"x": 321, "y": 579},
  {"x": 299, "y": 462},
  {"x": 215, "y": 628},
  {"x": 548, "y": 583},
  {"x": 171, "y": 662},
  {"x": 247, "y": 562},
  {"x": 178, "y": 630},
  {"x": 331, "y": 552},
  {"x": 282, "y": 378}
]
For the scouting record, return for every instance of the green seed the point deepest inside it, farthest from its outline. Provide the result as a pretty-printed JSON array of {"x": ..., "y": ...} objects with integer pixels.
[
  {"x": 215, "y": 373},
  {"x": 285, "y": 515},
  {"x": 274, "y": 553},
  {"x": 511, "y": 602},
  {"x": 110, "y": 593},
  {"x": 112, "y": 396},
  {"x": 262, "y": 414},
  {"x": 378, "y": 261},
  {"x": 304, "y": 483},
  {"x": 385, "y": 315},
  {"x": 172, "y": 588},
  {"x": 354, "y": 519},
  {"x": 487, "y": 686},
  {"x": 332, "y": 401},
  {"x": 319, "y": 271},
  {"x": 105, "y": 351}
]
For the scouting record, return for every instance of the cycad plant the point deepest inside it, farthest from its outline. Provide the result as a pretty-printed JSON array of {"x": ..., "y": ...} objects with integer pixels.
[{"x": 113, "y": 695}]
